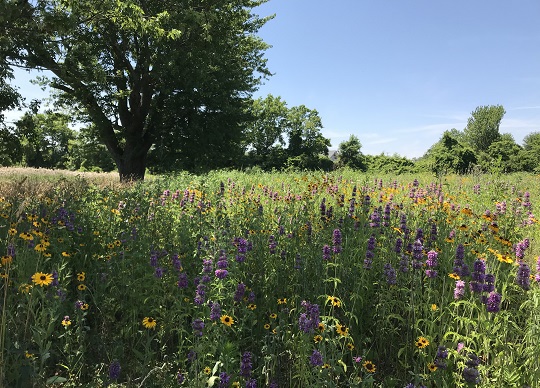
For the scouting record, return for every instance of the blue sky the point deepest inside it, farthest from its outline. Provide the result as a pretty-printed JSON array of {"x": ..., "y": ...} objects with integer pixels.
[{"x": 397, "y": 74}]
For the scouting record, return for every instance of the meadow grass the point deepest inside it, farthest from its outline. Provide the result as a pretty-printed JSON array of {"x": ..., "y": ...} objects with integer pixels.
[{"x": 258, "y": 279}]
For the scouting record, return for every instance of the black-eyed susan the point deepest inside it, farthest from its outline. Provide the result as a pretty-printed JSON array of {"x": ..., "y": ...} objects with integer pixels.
[
  {"x": 282, "y": 301},
  {"x": 42, "y": 279},
  {"x": 149, "y": 322},
  {"x": 66, "y": 254},
  {"x": 84, "y": 306},
  {"x": 321, "y": 326},
  {"x": 12, "y": 231},
  {"x": 350, "y": 346},
  {"x": 81, "y": 287},
  {"x": 266, "y": 326},
  {"x": 7, "y": 259},
  {"x": 25, "y": 288},
  {"x": 273, "y": 316},
  {"x": 252, "y": 306},
  {"x": 26, "y": 236},
  {"x": 454, "y": 276},
  {"x": 334, "y": 301},
  {"x": 81, "y": 276},
  {"x": 326, "y": 366},
  {"x": 207, "y": 370},
  {"x": 318, "y": 338},
  {"x": 422, "y": 342},
  {"x": 227, "y": 320},
  {"x": 66, "y": 321},
  {"x": 369, "y": 366},
  {"x": 342, "y": 330},
  {"x": 40, "y": 248},
  {"x": 236, "y": 384},
  {"x": 432, "y": 367}
]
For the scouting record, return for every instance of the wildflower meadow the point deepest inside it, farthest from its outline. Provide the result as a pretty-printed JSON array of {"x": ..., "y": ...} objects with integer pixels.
[{"x": 251, "y": 279}]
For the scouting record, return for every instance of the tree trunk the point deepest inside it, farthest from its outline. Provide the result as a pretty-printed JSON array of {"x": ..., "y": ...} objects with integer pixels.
[{"x": 132, "y": 164}]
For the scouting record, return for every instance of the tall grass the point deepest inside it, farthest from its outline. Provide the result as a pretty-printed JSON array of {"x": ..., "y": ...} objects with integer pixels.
[{"x": 278, "y": 280}]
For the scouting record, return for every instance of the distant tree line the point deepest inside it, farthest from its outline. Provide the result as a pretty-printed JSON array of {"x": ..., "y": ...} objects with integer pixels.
[{"x": 275, "y": 137}]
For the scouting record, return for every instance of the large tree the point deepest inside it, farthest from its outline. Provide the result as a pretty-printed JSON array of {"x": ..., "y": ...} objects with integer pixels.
[
  {"x": 132, "y": 67},
  {"x": 483, "y": 127}
]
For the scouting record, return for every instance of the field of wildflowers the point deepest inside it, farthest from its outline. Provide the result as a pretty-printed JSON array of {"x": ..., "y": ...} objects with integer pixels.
[{"x": 271, "y": 280}]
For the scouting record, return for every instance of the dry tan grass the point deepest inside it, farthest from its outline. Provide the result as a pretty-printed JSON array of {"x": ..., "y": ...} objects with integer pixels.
[{"x": 21, "y": 182}]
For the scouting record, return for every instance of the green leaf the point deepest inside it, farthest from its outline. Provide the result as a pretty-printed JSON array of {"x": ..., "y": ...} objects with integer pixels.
[{"x": 56, "y": 380}]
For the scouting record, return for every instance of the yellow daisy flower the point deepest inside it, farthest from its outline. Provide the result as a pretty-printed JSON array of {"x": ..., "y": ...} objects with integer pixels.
[
  {"x": 42, "y": 279},
  {"x": 369, "y": 367},
  {"x": 227, "y": 320},
  {"x": 342, "y": 330},
  {"x": 149, "y": 323},
  {"x": 66, "y": 321},
  {"x": 421, "y": 342},
  {"x": 81, "y": 276}
]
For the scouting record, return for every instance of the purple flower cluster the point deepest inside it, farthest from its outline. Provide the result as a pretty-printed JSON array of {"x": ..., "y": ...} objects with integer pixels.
[
  {"x": 215, "y": 311},
  {"x": 200, "y": 292},
  {"x": 239, "y": 293},
  {"x": 375, "y": 219},
  {"x": 440, "y": 357},
  {"x": 242, "y": 247},
  {"x": 520, "y": 249},
  {"x": 368, "y": 261},
  {"x": 460, "y": 268},
  {"x": 224, "y": 379},
  {"x": 470, "y": 373},
  {"x": 309, "y": 319},
  {"x": 336, "y": 240},
  {"x": 198, "y": 326},
  {"x": 459, "y": 290},
  {"x": 478, "y": 276},
  {"x": 182, "y": 280},
  {"x": 432, "y": 263},
  {"x": 493, "y": 302},
  {"x": 316, "y": 358},
  {"x": 352, "y": 204},
  {"x": 523, "y": 276},
  {"x": 386, "y": 215},
  {"x": 390, "y": 274},
  {"x": 114, "y": 370},
  {"x": 246, "y": 365},
  {"x": 222, "y": 264},
  {"x": 417, "y": 253},
  {"x": 272, "y": 244},
  {"x": 327, "y": 252}
]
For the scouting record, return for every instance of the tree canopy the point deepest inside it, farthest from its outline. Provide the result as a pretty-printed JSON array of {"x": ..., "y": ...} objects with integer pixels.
[
  {"x": 134, "y": 67},
  {"x": 483, "y": 127}
]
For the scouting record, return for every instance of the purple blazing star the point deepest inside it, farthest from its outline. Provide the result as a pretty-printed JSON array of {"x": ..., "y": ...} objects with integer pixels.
[{"x": 316, "y": 358}]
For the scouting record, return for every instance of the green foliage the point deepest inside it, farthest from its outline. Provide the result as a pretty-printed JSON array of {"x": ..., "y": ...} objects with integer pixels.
[
  {"x": 44, "y": 139},
  {"x": 275, "y": 126},
  {"x": 85, "y": 154},
  {"x": 449, "y": 156},
  {"x": 350, "y": 155},
  {"x": 386, "y": 164},
  {"x": 134, "y": 68},
  {"x": 483, "y": 127},
  {"x": 504, "y": 155},
  {"x": 530, "y": 156}
]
